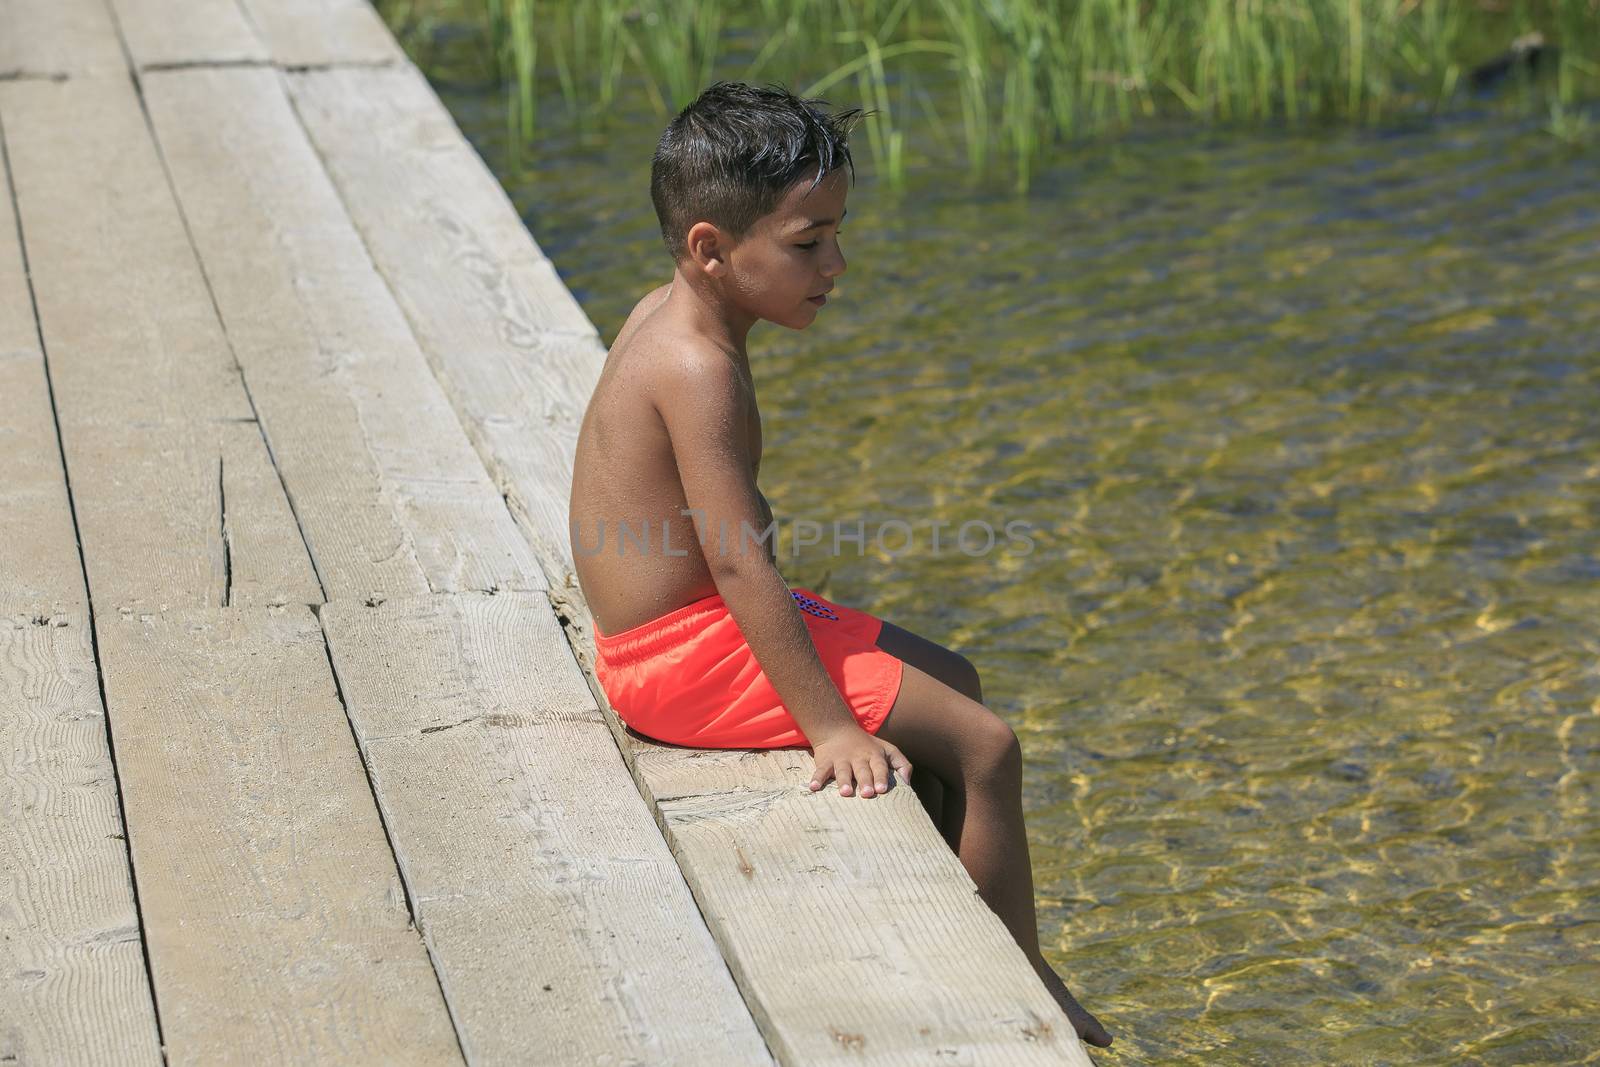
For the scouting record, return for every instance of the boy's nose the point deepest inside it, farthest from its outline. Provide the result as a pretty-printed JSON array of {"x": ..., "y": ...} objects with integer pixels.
[{"x": 836, "y": 266}]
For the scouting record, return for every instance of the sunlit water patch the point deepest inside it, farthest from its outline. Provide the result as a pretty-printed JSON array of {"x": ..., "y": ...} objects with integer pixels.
[{"x": 1307, "y": 433}]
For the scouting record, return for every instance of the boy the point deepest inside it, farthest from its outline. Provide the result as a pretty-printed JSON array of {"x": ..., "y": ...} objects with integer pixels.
[{"x": 698, "y": 639}]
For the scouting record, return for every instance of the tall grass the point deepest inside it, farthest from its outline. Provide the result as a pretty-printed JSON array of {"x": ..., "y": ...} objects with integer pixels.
[{"x": 1025, "y": 75}]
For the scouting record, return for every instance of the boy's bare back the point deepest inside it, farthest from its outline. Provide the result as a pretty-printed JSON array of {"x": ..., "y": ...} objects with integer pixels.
[{"x": 625, "y": 472}]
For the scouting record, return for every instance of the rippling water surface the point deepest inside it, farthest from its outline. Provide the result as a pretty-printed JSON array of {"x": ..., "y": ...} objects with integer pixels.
[{"x": 1304, "y": 656}]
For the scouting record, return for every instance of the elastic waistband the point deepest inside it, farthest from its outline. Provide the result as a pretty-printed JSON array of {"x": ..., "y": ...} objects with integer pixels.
[
  {"x": 659, "y": 634},
  {"x": 664, "y": 632}
]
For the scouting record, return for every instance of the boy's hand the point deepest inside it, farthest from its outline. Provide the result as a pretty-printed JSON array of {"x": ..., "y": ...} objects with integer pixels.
[{"x": 853, "y": 756}]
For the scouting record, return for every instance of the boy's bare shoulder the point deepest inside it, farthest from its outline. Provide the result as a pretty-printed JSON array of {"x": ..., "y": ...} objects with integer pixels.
[
  {"x": 623, "y": 442},
  {"x": 659, "y": 356},
  {"x": 647, "y": 306}
]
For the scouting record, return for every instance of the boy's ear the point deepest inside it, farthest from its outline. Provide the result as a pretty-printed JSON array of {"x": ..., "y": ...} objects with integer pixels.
[{"x": 707, "y": 247}]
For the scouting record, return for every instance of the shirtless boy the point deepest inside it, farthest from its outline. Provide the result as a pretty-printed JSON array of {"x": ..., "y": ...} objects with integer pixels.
[{"x": 699, "y": 640}]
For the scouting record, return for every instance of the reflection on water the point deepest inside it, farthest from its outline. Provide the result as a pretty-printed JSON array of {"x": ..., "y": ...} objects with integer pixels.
[{"x": 1304, "y": 658}]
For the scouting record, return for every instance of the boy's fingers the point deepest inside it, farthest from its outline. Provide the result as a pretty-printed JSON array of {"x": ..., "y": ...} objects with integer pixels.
[
  {"x": 880, "y": 773},
  {"x": 865, "y": 777},
  {"x": 845, "y": 777},
  {"x": 898, "y": 760}
]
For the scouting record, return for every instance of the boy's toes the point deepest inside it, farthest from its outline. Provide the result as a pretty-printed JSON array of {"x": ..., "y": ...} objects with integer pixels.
[
  {"x": 1088, "y": 1027},
  {"x": 1090, "y": 1030}
]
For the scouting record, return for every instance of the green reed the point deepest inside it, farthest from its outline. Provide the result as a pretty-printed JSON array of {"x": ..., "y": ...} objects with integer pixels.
[{"x": 1027, "y": 75}]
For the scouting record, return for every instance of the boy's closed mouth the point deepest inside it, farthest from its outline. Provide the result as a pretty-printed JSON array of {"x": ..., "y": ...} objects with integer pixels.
[{"x": 821, "y": 298}]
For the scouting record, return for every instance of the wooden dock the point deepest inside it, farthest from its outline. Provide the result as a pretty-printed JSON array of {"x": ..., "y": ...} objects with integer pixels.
[{"x": 304, "y": 761}]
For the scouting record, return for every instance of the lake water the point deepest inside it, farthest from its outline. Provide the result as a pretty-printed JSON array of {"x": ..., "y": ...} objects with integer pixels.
[{"x": 1305, "y": 433}]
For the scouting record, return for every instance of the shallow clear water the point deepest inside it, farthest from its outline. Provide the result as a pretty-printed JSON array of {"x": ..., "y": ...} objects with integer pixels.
[{"x": 1306, "y": 430}]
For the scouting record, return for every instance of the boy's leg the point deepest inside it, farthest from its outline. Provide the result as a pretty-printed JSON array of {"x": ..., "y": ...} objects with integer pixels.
[
  {"x": 978, "y": 757},
  {"x": 951, "y": 668},
  {"x": 955, "y": 671}
]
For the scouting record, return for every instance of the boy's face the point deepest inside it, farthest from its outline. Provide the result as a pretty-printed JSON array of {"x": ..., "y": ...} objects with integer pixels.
[{"x": 790, "y": 256}]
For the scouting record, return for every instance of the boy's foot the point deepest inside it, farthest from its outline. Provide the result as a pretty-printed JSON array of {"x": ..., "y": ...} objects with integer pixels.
[{"x": 1088, "y": 1027}]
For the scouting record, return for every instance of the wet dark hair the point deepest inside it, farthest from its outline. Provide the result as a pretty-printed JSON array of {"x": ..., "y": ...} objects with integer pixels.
[{"x": 729, "y": 157}]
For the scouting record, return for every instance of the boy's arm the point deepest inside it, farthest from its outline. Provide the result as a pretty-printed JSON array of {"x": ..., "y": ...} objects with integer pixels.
[{"x": 705, "y": 406}]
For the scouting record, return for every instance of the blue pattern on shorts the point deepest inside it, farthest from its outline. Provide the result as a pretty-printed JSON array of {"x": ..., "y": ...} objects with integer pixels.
[{"x": 815, "y": 607}]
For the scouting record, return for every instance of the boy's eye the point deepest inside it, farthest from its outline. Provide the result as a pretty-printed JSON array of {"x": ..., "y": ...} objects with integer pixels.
[{"x": 812, "y": 244}]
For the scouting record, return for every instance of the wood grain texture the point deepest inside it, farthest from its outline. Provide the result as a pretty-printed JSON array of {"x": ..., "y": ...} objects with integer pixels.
[
  {"x": 73, "y": 987},
  {"x": 174, "y": 32},
  {"x": 309, "y": 33},
  {"x": 40, "y": 573},
  {"x": 72, "y": 975},
  {"x": 391, "y": 497},
  {"x": 147, "y": 392},
  {"x": 128, "y": 323},
  {"x": 56, "y": 38},
  {"x": 150, "y": 512},
  {"x": 855, "y": 933},
  {"x": 277, "y": 927},
  {"x": 561, "y": 926},
  {"x": 513, "y": 348}
]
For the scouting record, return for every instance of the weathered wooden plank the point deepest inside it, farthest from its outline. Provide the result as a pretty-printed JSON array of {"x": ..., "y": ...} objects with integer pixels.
[
  {"x": 185, "y": 514},
  {"x": 906, "y": 961},
  {"x": 72, "y": 980},
  {"x": 146, "y": 388},
  {"x": 514, "y": 349},
  {"x": 133, "y": 342},
  {"x": 562, "y": 928},
  {"x": 177, "y": 32},
  {"x": 40, "y": 573},
  {"x": 276, "y": 923},
  {"x": 391, "y": 497},
  {"x": 54, "y": 38},
  {"x": 310, "y": 33},
  {"x": 72, "y": 975},
  {"x": 266, "y": 557},
  {"x": 369, "y": 123},
  {"x": 150, "y": 512},
  {"x": 128, "y": 323}
]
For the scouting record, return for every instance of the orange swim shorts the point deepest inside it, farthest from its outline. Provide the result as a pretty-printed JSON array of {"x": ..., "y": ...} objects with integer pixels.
[{"x": 689, "y": 678}]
